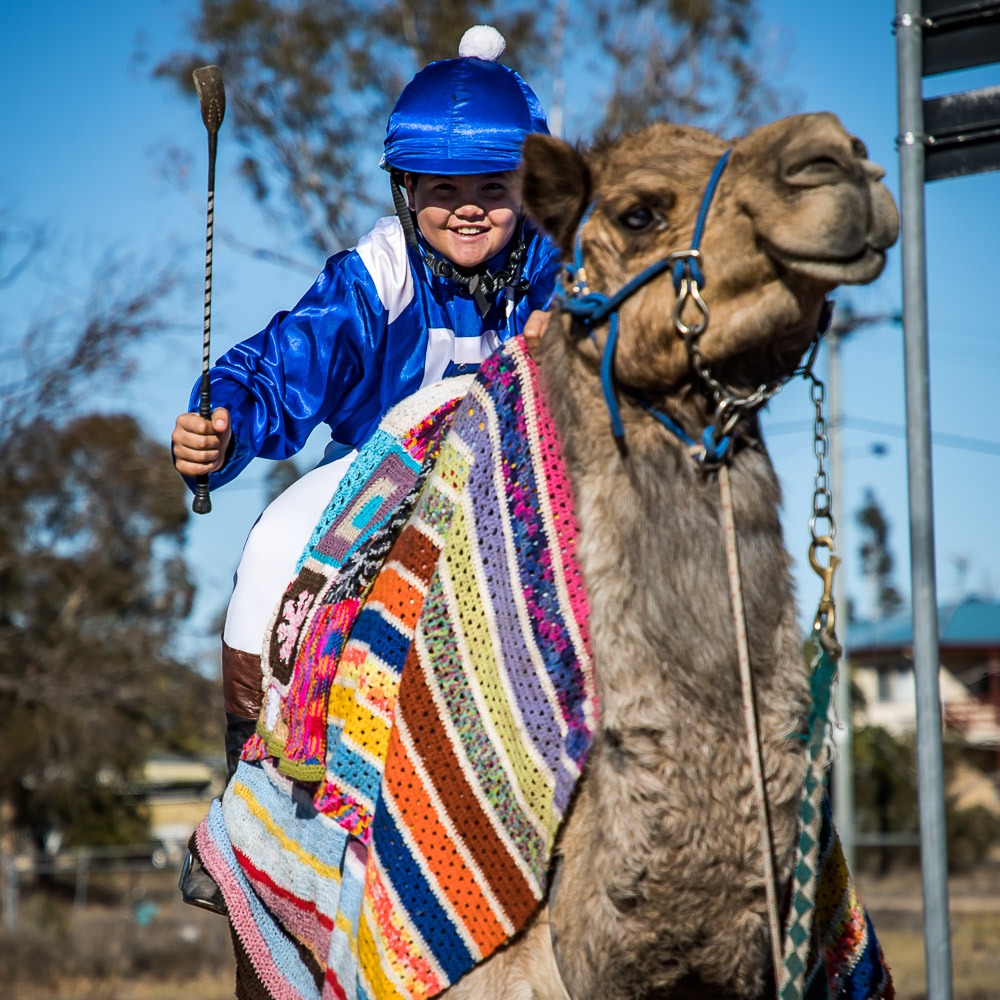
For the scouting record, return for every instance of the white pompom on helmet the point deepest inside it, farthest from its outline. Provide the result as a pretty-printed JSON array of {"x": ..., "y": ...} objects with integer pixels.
[{"x": 463, "y": 116}]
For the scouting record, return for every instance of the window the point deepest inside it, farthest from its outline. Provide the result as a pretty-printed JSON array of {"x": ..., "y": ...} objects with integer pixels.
[
  {"x": 886, "y": 684},
  {"x": 895, "y": 683}
]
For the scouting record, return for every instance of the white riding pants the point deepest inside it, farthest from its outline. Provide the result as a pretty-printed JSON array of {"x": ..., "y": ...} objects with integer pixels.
[{"x": 272, "y": 551}]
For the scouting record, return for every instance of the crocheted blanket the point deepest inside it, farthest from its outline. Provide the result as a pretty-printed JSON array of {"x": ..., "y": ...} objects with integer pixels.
[
  {"x": 430, "y": 703},
  {"x": 845, "y": 960}
]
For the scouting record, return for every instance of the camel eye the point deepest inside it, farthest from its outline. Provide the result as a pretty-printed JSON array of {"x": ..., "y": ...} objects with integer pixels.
[{"x": 638, "y": 219}]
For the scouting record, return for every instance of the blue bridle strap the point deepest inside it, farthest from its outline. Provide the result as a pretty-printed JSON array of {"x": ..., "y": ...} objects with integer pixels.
[
  {"x": 690, "y": 266},
  {"x": 708, "y": 450},
  {"x": 593, "y": 308}
]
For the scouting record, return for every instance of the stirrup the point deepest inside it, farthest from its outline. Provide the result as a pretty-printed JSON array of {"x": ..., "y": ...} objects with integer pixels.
[{"x": 198, "y": 888}]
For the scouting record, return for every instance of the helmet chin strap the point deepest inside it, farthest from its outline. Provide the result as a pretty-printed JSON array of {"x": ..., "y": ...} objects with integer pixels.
[{"x": 482, "y": 283}]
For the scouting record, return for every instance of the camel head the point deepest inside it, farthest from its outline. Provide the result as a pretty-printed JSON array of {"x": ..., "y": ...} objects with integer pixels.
[{"x": 798, "y": 210}]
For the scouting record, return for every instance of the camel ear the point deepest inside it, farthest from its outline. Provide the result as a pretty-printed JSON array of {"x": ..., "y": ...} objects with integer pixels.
[{"x": 555, "y": 186}]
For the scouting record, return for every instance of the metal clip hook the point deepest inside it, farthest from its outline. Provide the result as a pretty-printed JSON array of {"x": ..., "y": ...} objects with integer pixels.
[
  {"x": 826, "y": 613},
  {"x": 689, "y": 290}
]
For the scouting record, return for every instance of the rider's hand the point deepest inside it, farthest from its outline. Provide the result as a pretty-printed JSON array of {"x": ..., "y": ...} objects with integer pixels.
[
  {"x": 534, "y": 328},
  {"x": 200, "y": 445}
]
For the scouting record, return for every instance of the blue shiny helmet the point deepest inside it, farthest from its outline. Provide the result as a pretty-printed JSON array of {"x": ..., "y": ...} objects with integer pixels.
[{"x": 463, "y": 116}]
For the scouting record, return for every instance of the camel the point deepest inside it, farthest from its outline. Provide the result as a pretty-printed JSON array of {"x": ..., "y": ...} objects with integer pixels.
[{"x": 658, "y": 890}]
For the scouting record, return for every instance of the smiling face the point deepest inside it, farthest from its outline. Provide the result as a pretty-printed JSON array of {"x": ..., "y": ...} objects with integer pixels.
[{"x": 466, "y": 218}]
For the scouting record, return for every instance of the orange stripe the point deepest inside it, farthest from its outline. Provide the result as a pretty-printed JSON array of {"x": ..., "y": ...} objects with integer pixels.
[
  {"x": 461, "y": 890},
  {"x": 399, "y": 597},
  {"x": 431, "y": 744}
]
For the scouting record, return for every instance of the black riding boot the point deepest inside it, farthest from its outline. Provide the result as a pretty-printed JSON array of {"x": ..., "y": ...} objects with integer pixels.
[{"x": 243, "y": 698}]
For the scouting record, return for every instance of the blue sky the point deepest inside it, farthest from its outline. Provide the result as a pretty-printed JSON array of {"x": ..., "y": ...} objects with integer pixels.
[{"x": 85, "y": 129}]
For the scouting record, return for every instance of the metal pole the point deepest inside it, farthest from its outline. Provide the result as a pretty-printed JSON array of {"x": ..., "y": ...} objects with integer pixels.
[
  {"x": 8, "y": 872},
  {"x": 926, "y": 660},
  {"x": 845, "y": 322},
  {"x": 557, "y": 54},
  {"x": 843, "y": 769}
]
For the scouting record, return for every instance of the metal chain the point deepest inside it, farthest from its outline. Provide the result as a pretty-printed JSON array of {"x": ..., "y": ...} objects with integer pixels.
[
  {"x": 730, "y": 405},
  {"x": 821, "y": 523},
  {"x": 823, "y": 527}
]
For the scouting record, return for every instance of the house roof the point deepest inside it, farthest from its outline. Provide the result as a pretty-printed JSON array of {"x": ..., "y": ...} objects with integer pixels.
[
  {"x": 974, "y": 621},
  {"x": 164, "y": 772}
]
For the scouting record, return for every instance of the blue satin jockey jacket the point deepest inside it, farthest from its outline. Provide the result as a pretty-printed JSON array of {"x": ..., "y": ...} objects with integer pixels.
[{"x": 375, "y": 326}]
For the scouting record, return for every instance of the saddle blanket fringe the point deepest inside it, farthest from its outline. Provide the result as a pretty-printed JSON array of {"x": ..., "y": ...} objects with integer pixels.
[{"x": 430, "y": 702}]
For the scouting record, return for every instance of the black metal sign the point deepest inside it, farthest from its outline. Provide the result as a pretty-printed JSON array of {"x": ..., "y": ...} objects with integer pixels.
[
  {"x": 958, "y": 34},
  {"x": 963, "y": 133}
]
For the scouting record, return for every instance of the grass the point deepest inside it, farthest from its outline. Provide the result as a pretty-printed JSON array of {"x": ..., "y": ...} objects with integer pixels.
[
  {"x": 133, "y": 939},
  {"x": 209, "y": 986},
  {"x": 896, "y": 909},
  {"x": 975, "y": 949},
  {"x": 123, "y": 949}
]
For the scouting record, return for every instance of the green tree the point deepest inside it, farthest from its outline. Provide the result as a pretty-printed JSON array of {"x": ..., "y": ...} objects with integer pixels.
[
  {"x": 692, "y": 61},
  {"x": 93, "y": 578},
  {"x": 886, "y": 800},
  {"x": 310, "y": 83},
  {"x": 885, "y": 782},
  {"x": 877, "y": 562}
]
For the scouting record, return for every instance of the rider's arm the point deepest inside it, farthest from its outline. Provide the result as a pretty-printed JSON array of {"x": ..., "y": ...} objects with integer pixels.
[{"x": 299, "y": 370}]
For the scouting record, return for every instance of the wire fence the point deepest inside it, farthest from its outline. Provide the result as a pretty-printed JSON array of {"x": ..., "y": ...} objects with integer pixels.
[
  {"x": 108, "y": 916},
  {"x": 75, "y": 874}
]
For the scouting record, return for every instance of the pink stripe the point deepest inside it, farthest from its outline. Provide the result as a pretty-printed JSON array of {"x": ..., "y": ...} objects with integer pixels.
[
  {"x": 412, "y": 968},
  {"x": 242, "y": 919},
  {"x": 300, "y": 917},
  {"x": 309, "y": 692},
  {"x": 560, "y": 492}
]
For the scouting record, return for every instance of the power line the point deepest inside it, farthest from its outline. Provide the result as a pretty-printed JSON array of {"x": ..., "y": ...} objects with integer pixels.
[{"x": 962, "y": 442}]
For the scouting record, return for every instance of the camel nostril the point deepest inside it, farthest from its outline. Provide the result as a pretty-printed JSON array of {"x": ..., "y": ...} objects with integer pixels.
[{"x": 815, "y": 171}]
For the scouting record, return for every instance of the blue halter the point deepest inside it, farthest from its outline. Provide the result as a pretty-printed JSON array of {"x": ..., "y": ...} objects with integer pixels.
[{"x": 592, "y": 308}]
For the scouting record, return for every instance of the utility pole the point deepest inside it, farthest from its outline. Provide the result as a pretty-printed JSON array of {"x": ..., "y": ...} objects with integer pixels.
[
  {"x": 558, "y": 106},
  {"x": 845, "y": 322},
  {"x": 843, "y": 735}
]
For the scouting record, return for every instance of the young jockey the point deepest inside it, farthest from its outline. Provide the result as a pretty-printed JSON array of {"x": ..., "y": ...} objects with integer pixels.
[{"x": 425, "y": 295}]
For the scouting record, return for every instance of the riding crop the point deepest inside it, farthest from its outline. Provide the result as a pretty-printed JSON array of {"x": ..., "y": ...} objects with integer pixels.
[{"x": 212, "y": 97}]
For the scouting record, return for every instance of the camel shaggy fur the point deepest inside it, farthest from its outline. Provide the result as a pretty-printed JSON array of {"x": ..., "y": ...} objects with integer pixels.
[{"x": 660, "y": 889}]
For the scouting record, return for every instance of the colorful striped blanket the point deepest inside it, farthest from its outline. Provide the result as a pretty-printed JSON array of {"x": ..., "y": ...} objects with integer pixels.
[{"x": 430, "y": 701}]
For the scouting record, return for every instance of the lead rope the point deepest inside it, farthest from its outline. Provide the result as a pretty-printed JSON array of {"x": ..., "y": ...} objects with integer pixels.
[
  {"x": 750, "y": 720},
  {"x": 793, "y": 984},
  {"x": 790, "y": 951}
]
